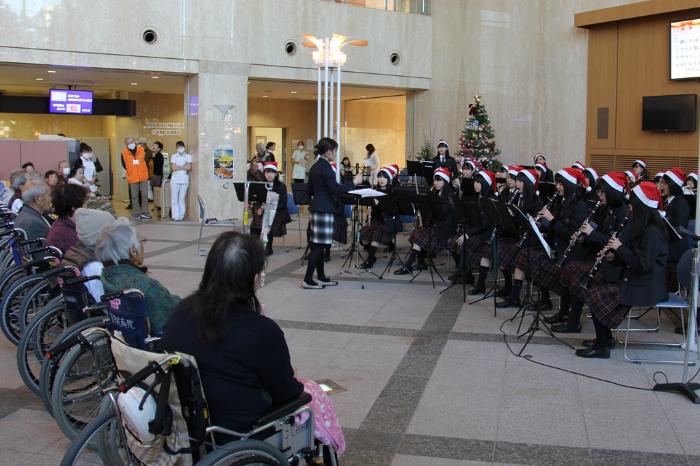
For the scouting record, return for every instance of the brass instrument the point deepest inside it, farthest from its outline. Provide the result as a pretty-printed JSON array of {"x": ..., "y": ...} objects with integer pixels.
[
  {"x": 577, "y": 235},
  {"x": 548, "y": 206},
  {"x": 603, "y": 252}
]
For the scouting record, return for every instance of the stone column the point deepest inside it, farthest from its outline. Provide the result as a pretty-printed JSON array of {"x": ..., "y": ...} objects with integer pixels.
[{"x": 217, "y": 114}]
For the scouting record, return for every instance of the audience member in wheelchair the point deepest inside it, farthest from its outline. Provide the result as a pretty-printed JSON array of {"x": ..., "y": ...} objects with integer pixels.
[
  {"x": 18, "y": 182},
  {"x": 121, "y": 253},
  {"x": 36, "y": 198},
  {"x": 88, "y": 224},
  {"x": 67, "y": 198},
  {"x": 242, "y": 356},
  {"x": 383, "y": 224}
]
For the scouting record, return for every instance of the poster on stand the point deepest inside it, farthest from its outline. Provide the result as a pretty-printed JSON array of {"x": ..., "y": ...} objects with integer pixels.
[{"x": 223, "y": 164}]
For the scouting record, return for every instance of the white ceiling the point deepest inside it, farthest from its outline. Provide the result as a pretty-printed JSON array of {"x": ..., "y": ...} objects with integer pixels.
[{"x": 19, "y": 79}]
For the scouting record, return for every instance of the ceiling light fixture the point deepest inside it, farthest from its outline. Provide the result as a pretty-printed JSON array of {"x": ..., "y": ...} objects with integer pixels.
[
  {"x": 134, "y": 84},
  {"x": 51, "y": 71},
  {"x": 39, "y": 79},
  {"x": 155, "y": 77},
  {"x": 292, "y": 92},
  {"x": 264, "y": 97}
]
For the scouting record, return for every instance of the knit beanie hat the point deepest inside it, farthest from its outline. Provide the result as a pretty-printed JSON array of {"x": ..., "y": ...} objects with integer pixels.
[{"x": 90, "y": 222}]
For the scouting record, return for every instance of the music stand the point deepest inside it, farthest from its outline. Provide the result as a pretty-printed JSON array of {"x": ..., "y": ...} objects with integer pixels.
[
  {"x": 301, "y": 198},
  {"x": 414, "y": 169},
  {"x": 403, "y": 203},
  {"x": 250, "y": 191},
  {"x": 431, "y": 213},
  {"x": 356, "y": 200},
  {"x": 462, "y": 213}
]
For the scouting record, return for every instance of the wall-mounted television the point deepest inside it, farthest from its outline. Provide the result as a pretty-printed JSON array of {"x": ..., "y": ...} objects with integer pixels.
[
  {"x": 669, "y": 112},
  {"x": 70, "y": 101},
  {"x": 685, "y": 49}
]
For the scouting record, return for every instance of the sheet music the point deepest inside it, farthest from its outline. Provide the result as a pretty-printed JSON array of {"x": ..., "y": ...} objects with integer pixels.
[
  {"x": 367, "y": 192},
  {"x": 537, "y": 231}
]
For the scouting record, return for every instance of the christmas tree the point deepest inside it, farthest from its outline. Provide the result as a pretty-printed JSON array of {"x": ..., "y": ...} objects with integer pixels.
[{"x": 477, "y": 140}]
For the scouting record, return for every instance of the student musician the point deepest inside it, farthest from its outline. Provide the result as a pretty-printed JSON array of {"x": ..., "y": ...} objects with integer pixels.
[
  {"x": 558, "y": 224},
  {"x": 510, "y": 191},
  {"x": 592, "y": 177},
  {"x": 430, "y": 239},
  {"x": 282, "y": 218},
  {"x": 383, "y": 224},
  {"x": 643, "y": 252},
  {"x": 691, "y": 182},
  {"x": 611, "y": 191},
  {"x": 690, "y": 191},
  {"x": 443, "y": 159},
  {"x": 678, "y": 215},
  {"x": 475, "y": 242},
  {"x": 325, "y": 196},
  {"x": 540, "y": 159},
  {"x": 632, "y": 177},
  {"x": 528, "y": 201},
  {"x": 639, "y": 168}
]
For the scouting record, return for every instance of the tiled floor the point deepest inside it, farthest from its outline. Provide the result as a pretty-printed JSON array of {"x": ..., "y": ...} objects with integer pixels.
[{"x": 429, "y": 379}]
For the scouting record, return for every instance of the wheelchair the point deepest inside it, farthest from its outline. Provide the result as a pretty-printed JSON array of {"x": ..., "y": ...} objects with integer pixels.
[{"x": 156, "y": 413}]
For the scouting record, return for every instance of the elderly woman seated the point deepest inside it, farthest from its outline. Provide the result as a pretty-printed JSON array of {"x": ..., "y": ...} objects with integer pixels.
[
  {"x": 89, "y": 223},
  {"x": 36, "y": 199},
  {"x": 121, "y": 253},
  {"x": 67, "y": 198},
  {"x": 18, "y": 181}
]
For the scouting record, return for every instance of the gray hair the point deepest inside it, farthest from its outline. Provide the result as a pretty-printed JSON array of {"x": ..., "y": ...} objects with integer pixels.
[
  {"x": 115, "y": 241},
  {"x": 17, "y": 179},
  {"x": 34, "y": 191}
]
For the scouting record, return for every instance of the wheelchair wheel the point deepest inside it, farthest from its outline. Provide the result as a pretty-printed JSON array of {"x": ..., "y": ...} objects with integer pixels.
[
  {"x": 244, "y": 452},
  {"x": 35, "y": 300},
  {"x": 35, "y": 341},
  {"x": 83, "y": 373},
  {"x": 100, "y": 442},
  {"x": 12, "y": 305},
  {"x": 50, "y": 366}
]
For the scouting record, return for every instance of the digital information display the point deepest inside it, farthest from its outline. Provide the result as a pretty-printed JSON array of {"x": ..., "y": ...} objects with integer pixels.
[
  {"x": 68, "y": 101},
  {"x": 685, "y": 49}
]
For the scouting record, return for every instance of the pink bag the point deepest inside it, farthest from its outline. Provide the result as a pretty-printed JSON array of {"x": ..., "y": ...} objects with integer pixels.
[{"x": 326, "y": 426}]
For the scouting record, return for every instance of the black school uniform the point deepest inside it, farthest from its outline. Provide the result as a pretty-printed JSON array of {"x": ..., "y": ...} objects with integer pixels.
[{"x": 435, "y": 237}]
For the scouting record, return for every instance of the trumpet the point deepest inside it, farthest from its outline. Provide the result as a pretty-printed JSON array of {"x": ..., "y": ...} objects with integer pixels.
[
  {"x": 577, "y": 235},
  {"x": 601, "y": 256}
]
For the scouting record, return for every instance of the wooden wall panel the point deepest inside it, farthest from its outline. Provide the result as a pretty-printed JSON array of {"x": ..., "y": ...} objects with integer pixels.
[{"x": 602, "y": 87}]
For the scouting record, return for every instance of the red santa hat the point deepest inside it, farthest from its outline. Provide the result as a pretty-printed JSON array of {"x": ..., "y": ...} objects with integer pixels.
[
  {"x": 592, "y": 171},
  {"x": 442, "y": 142},
  {"x": 513, "y": 170},
  {"x": 694, "y": 176},
  {"x": 443, "y": 173},
  {"x": 659, "y": 175},
  {"x": 488, "y": 177},
  {"x": 471, "y": 163},
  {"x": 649, "y": 194},
  {"x": 616, "y": 180},
  {"x": 578, "y": 165},
  {"x": 573, "y": 176},
  {"x": 539, "y": 154},
  {"x": 532, "y": 175},
  {"x": 676, "y": 175},
  {"x": 640, "y": 162},
  {"x": 391, "y": 171},
  {"x": 541, "y": 167},
  {"x": 270, "y": 166},
  {"x": 631, "y": 174}
]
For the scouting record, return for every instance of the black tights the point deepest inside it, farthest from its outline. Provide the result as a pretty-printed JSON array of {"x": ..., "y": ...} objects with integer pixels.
[
  {"x": 315, "y": 263},
  {"x": 603, "y": 335}
]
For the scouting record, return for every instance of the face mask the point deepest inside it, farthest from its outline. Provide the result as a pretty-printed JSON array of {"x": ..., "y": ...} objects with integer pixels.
[
  {"x": 66, "y": 171},
  {"x": 300, "y": 147},
  {"x": 131, "y": 146},
  {"x": 180, "y": 150}
]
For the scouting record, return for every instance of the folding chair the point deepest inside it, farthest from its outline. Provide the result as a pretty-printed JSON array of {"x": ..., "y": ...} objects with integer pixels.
[{"x": 200, "y": 202}]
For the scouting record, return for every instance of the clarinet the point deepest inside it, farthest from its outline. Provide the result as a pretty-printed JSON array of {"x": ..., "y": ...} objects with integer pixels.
[
  {"x": 527, "y": 231},
  {"x": 576, "y": 236},
  {"x": 599, "y": 261}
]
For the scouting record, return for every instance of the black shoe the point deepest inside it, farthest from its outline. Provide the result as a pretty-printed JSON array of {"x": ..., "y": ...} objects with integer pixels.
[
  {"x": 545, "y": 305},
  {"x": 591, "y": 343},
  {"x": 598, "y": 353},
  {"x": 564, "y": 328},
  {"x": 555, "y": 319},
  {"x": 454, "y": 277},
  {"x": 477, "y": 290},
  {"x": 403, "y": 271},
  {"x": 327, "y": 256},
  {"x": 507, "y": 303},
  {"x": 368, "y": 264},
  {"x": 326, "y": 282},
  {"x": 503, "y": 293}
]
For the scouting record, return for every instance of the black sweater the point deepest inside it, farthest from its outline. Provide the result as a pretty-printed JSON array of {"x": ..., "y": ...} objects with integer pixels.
[{"x": 247, "y": 375}]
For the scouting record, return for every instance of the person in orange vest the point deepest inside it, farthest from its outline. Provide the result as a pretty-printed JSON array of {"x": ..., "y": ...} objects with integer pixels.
[{"x": 134, "y": 161}]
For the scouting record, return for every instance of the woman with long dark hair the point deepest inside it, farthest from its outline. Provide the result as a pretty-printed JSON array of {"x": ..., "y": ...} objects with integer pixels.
[
  {"x": 611, "y": 190},
  {"x": 384, "y": 217},
  {"x": 677, "y": 214},
  {"x": 642, "y": 252}
]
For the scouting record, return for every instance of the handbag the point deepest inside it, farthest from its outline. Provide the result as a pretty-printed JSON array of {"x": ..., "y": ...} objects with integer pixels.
[
  {"x": 156, "y": 180},
  {"x": 98, "y": 165}
]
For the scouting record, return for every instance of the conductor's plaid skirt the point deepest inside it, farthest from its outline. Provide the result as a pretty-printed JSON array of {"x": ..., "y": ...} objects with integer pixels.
[{"x": 321, "y": 227}]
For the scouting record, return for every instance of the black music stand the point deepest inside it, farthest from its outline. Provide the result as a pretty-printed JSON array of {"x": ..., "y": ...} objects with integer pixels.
[
  {"x": 399, "y": 203},
  {"x": 431, "y": 213},
  {"x": 301, "y": 198},
  {"x": 250, "y": 191},
  {"x": 462, "y": 213},
  {"x": 354, "y": 252},
  {"x": 505, "y": 223},
  {"x": 414, "y": 169}
]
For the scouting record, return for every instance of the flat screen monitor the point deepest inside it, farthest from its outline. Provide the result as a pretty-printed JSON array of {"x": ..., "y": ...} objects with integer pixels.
[
  {"x": 70, "y": 101},
  {"x": 669, "y": 112},
  {"x": 685, "y": 49}
]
